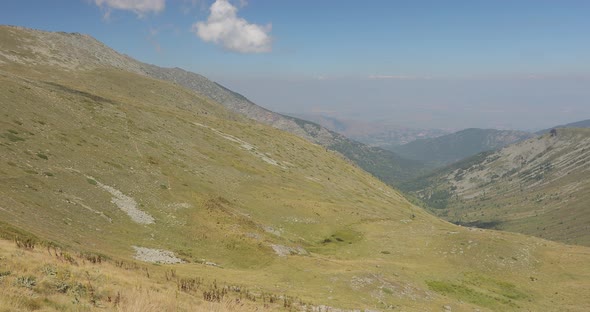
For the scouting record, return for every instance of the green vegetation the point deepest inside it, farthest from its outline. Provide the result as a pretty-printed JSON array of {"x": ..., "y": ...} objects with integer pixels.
[
  {"x": 468, "y": 294},
  {"x": 42, "y": 156},
  {"x": 482, "y": 291},
  {"x": 26, "y": 281},
  {"x": 383, "y": 164},
  {"x": 13, "y": 137}
]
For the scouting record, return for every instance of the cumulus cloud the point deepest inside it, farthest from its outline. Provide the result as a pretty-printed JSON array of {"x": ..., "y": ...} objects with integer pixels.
[
  {"x": 224, "y": 27},
  {"x": 139, "y": 7}
]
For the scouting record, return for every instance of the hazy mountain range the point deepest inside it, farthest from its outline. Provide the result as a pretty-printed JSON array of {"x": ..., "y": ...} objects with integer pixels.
[
  {"x": 384, "y": 134},
  {"x": 430, "y": 147}
]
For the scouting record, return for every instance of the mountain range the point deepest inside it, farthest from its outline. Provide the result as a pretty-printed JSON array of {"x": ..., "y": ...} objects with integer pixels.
[{"x": 125, "y": 188}]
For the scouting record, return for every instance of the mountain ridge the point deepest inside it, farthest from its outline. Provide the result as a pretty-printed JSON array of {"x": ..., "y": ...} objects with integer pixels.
[
  {"x": 449, "y": 148},
  {"x": 576, "y": 124},
  {"x": 85, "y": 52},
  {"x": 537, "y": 187}
]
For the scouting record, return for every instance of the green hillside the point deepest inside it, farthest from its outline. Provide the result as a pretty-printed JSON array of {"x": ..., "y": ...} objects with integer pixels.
[
  {"x": 100, "y": 160},
  {"x": 446, "y": 149},
  {"x": 538, "y": 187}
]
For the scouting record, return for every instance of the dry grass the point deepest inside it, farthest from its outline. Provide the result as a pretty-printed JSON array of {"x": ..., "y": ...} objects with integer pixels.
[
  {"x": 38, "y": 280},
  {"x": 150, "y": 301}
]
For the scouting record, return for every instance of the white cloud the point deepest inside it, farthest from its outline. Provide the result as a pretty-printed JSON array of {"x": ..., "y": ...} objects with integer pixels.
[
  {"x": 139, "y": 7},
  {"x": 234, "y": 33}
]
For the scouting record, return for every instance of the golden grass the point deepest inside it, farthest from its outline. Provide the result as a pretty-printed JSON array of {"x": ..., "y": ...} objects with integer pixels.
[{"x": 37, "y": 280}]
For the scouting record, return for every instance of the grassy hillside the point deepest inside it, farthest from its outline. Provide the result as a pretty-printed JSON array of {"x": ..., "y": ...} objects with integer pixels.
[
  {"x": 384, "y": 164},
  {"x": 446, "y": 149},
  {"x": 539, "y": 187},
  {"x": 100, "y": 160},
  {"x": 84, "y": 52}
]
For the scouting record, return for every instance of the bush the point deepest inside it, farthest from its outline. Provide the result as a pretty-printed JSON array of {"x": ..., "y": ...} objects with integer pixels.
[
  {"x": 27, "y": 243},
  {"x": 42, "y": 156},
  {"x": 26, "y": 281}
]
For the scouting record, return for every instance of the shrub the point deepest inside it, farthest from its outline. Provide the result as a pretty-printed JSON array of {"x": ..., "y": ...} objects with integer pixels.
[
  {"x": 13, "y": 138},
  {"x": 26, "y": 281},
  {"x": 27, "y": 243},
  {"x": 42, "y": 156},
  {"x": 5, "y": 273}
]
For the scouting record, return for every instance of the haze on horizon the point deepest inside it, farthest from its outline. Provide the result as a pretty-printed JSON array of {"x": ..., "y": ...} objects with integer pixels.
[{"x": 424, "y": 64}]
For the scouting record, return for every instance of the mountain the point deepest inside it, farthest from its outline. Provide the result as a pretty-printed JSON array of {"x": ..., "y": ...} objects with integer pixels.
[
  {"x": 124, "y": 192},
  {"x": 85, "y": 50},
  {"x": 383, "y": 134},
  {"x": 577, "y": 124},
  {"x": 384, "y": 164},
  {"x": 538, "y": 187},
  {"x": 446, "y": 149}
]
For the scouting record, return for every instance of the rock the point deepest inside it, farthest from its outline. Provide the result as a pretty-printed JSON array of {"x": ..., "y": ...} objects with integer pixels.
[
  {"x": 283, "y": 251},
  {"x": 155, "y": 255}
]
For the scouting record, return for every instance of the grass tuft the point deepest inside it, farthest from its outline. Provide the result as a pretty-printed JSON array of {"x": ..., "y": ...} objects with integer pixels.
[
  {"x": 13, "y": 138},
  {"x": 42, "y": 156}
]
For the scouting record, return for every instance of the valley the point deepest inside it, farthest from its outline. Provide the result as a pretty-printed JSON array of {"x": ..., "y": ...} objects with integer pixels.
[{"x": 99, "y": 156}]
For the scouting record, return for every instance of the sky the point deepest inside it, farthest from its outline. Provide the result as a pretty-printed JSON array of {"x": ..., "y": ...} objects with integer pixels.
[{"x": 520, "y": 64}]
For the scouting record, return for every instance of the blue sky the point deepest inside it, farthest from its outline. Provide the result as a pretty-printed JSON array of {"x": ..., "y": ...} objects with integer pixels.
[{"x": 452, "y": 64}]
